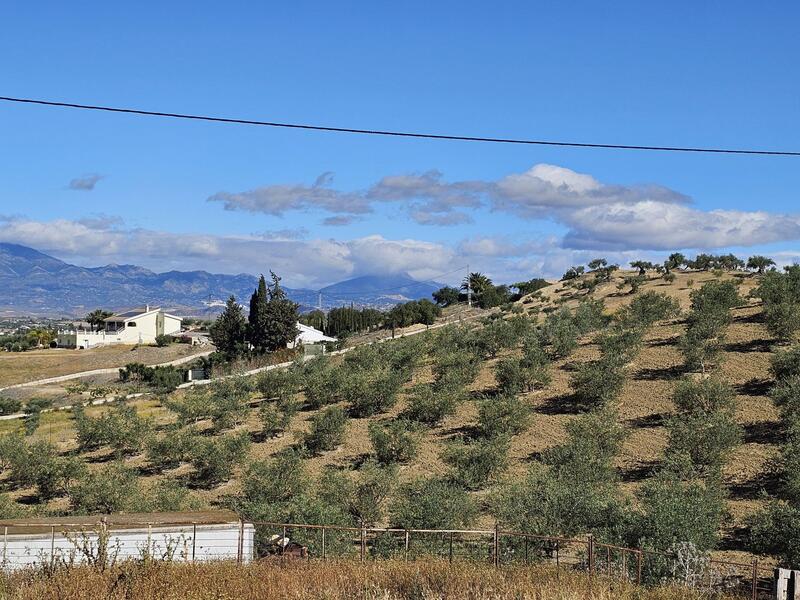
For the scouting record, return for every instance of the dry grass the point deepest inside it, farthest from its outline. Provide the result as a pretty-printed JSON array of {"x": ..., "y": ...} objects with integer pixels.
[
  {"x": 330, "y": 580},
  {"x": 20, "y": 367}
]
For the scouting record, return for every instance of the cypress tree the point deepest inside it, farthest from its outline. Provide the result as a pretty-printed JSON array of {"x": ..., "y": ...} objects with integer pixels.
[
  {"x": 279, "y": 318},
  {"x": 256, "y": 325},
  {"x": 229, "y": 330}
]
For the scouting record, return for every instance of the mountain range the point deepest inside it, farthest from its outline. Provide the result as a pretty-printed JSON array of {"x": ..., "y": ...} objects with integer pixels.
[{"x": 32, "y": 282}]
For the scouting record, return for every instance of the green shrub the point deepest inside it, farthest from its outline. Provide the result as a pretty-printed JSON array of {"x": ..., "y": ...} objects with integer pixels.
[
  {"x": 34, "y": 408},
  {"x": 786, "y": 364},
  {"x": 114, "y": 488},
  {"x": 215, "y": 459},
  {"x": 432, "y": 504},
  {"x": 597, "y": 383},
  {"x": 560, "y": 332},
  {"x": 431, "y": 404},
  {"x": 455, "y": 369},
  {"x": 395, "y": 441},
  {"x": 589, "y": 315},
  {"x": 169, "y": 450},
  {"x": 278, "y": 384},
  {"x": 9, "y": 406},
  {"x": 774, "y": 531},
  {"x": 121, "y": 428},
  {"x": 273, "y": 420},
  {"x": 370, "y": 392},
  {"x": 321, "y": 382},
  {"x": 786, "y": 395},
  {"x": 675, "y": 510},
  {"x": 532, "y": 371},
  {"x": 706, "y": 439},
  {"x": 703, "y": 396},
  {"x": 224, "y": 402},
  {"x": 502, "y": 416},
  {"x": 169, "y": 495},
  {"x": 648, "y": 308},
  {"x": 327, "y": 431},
  {"x": 477, "y": 463},
  {"x": 163, "y": 340}
]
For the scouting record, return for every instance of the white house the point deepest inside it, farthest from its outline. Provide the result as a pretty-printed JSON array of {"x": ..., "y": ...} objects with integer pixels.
[
  {"x": 136, "y": 326},
  {"x": 309, "y": 335},
  {"x": 180, "y": 537}
]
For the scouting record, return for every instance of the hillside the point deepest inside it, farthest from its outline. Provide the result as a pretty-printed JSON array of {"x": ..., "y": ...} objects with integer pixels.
[{"x": 643, "y": 406}]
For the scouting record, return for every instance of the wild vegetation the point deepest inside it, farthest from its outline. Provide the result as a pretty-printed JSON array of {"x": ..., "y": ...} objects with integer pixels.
[{"x": 639, "y": 416}]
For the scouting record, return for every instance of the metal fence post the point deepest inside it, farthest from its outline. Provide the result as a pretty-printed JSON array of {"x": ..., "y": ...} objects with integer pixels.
[
  {"x": 407, "y": 544},
  {"x": 323, "y": 542},
  {"x": 52, "y": 546},
  {"x": 451, "y": 547},
  {"x": 5, "y": 544},
  {"x": 240, "y": 548},
  {"x": 363, "y": 544},
  {"x": 496, "y": 544},
  {"x": 755, "y": 577},
  {"x": 194, "y": 539},
  {"x": 591, "y": 555},
  {"x": 639, "y": 568},
  {"x": 526, "y": 549},
  {"x": 608, "y": 560}
]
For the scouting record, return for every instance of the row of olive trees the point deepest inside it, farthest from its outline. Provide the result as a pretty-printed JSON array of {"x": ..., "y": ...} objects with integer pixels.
[
  {"x": 710, "y": 315},
  {"x": 775, "y": 529}
]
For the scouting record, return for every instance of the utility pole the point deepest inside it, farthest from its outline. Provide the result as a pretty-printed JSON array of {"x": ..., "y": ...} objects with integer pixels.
[{"x": 469, "y": 289}]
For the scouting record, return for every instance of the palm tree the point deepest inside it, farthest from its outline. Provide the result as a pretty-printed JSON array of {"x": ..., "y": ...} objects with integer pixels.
[
  {"x": 96, "y": 317},
  {"x": 477, "y": 281}
]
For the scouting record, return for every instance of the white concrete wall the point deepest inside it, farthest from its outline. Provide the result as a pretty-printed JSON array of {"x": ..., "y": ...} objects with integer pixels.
[
  {"x": 172, "y": 325},
  {"x": 176, "y": 543}
]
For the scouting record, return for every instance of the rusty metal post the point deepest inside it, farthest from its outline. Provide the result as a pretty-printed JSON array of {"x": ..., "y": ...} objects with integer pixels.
[
  {"x": 639, "y": 568},
  {"x": 558, "y": 562},
  {"x": 591, "y": 555},
  {"x": 407, "y": 544},
  {"x": 323, "y": 542},
  {"x": 755, "y": 578},
  {"x": 526, "y": 550},
  {"x": 240, "y": 549},
  {"x": 52, "y": 546},
  {"x": 608, "y": 561},
  {"x": 194, "y": 539},
  {"x": 363, "y": 544},
  {"x": 496, "y": 544},
  {"x": 451, "y": 547},
  {"x": 625, "y": 563},
  {"x": 5, "y": 544}
]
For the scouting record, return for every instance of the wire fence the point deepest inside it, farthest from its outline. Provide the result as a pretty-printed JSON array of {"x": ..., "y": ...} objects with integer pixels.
[{"x": 52, "y": 545}]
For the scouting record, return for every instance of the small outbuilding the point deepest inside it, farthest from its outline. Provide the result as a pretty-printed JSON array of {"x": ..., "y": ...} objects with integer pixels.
[
  {"x": 307, "y": 335},
  {"x": 175, "y": 536}
]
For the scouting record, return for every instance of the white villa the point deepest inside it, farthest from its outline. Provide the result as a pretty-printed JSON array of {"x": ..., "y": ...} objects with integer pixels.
[
  {"x": 307, "y": 335},
  {"x": 136, "y": 326}
]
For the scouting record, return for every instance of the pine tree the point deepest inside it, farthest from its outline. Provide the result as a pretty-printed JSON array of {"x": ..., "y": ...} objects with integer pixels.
[
  {"x": 229, "y": 330},
  {"x": 256, "y": 320},
  {"x": 280, "y": 318}
]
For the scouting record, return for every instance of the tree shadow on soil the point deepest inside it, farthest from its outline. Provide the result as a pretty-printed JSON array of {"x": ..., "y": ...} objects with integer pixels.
[
  {"x": 754, "y": 387},
  {"x": 649, "y": 421},
  {"x": 638, "y": 472},
  {"x": 657, "y": 373},
  {"x": 759, "y": 345},
  {"x": 566, "y": 404},
  {"x": 754, "y": 488},
  {"x": 762, "y": 432}
]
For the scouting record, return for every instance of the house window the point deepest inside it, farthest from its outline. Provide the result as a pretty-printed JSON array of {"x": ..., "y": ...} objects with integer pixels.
[{"x": 131, "y": 323}]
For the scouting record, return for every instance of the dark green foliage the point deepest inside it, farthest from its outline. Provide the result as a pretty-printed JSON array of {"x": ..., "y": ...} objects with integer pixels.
[
  {"x": 477, "y": 463},
  {"x": 785, "y": 364},
  {"x": 704, "y": 429},
  {"x": 214, "y": 459},
  {"x": 647, "y": 309},
  {"x": 675, "y": 261},
  {"x": 503, "y": 416},
  {"x": 576, "y": 492},
  {"x": 395, "y": 441},
  {"x": 455, "y": 369},
  {"x": 321, "y": 382},
  {"x": 370, "y": 392},
  {"x": 496, "y": 335},
  {"x": 560, "y": 332},
  {"x": 760, "y": 263},
  {"x": 446, "y": 296},
  {"x": 597, "y": 383},
  {"x": 621, "y": 343},
  {"x": 786, "y": 395},
  {"x": 169, "y": 495},
  {"x": 525, "y": 374},
  {"x": 229, "y": 331},
  {"x": 711, "y": 304},
  {"x": 224, "y": 402},
  {"x": 589, "y": 315},
  {"x": 113, "y": 488},
  {"x": 169, "y": 450},
  {"x": 432, "y": 504},
  {"x": 674, "y": 509},
  {"x": 416, "y": 311},
  {"x": 573, "y": 273},
  {"x": 9, "y": 406},
  {"x": 716, "y": 297},
  {"x": 775, "y": 531},
  {"x": 162, "y": 379},
  {"x": 531, "y": 286},
  {"x": 163, "y": 340},
  {"x": 273, "y": 420},
  {"x": 97, "y": 317},
  {"x": 274, "y": 325},
  {"x": 34, "y": 408},
  {"x": 430, "y": 404},
  {"x": 278, "y": 384},
  {"x": 327, "y": 430},
  {"x": 120, "y": 428},
  {"x": 341, "y": 322}
]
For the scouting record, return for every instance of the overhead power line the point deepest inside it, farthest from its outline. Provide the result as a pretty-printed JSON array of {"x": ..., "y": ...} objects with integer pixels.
[{"x": 403, "y": 134}]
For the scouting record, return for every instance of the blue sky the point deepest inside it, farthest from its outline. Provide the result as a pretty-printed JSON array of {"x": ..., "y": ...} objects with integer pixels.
[{"x": 185, "y": 195}]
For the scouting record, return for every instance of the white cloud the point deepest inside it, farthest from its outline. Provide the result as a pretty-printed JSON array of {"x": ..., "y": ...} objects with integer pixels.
[{"x": 311, "y": 263}]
